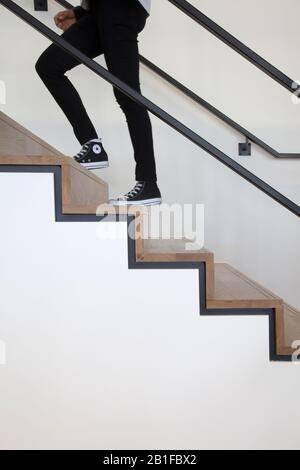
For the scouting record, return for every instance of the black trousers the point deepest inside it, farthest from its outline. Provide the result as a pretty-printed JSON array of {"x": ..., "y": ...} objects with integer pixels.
[{"x": 111, "y": 28}]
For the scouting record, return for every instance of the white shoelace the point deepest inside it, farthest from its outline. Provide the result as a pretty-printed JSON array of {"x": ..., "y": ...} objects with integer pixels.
[
  {"x": 83, "y": 151},
  {"x": 134, "y": 191}
]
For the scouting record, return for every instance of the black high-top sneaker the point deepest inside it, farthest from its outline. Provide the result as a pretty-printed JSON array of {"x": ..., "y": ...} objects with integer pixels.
[
  {"x": 92, "y": 156},
  {"x": 144, "y": 193}
]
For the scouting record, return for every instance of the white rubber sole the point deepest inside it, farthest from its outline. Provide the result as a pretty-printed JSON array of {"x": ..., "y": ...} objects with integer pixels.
[
  {"x": 145, "y": 202},
  {"x": 95, "y": 165}
]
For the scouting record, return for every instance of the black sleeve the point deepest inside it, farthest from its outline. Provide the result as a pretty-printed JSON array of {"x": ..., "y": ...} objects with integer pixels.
[{"x": 80, "y": 12}]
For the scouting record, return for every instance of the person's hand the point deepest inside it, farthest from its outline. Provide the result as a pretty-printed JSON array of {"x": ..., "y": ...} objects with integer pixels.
[{"x": 65, "y": 19}]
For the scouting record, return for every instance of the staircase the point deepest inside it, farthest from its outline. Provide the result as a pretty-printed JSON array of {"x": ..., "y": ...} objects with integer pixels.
[{"x": 79, "y": 193}]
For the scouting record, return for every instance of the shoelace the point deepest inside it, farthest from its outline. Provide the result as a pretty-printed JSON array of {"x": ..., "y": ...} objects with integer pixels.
[
  {"x": 82, "y": 152},
  {"x": 134, "y": 191}
]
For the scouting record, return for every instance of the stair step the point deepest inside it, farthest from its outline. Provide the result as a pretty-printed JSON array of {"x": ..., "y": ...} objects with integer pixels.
[
  {"x": 177, "y": 251},
  {"x": 173, "y": 250},
  {"x": 234, "y": 290},
  {"x": 82, "y": 191}
]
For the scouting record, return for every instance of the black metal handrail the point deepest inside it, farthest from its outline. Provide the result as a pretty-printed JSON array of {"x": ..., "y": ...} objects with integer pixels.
[
  {"x": 236, "y": 45},
  {"x": 209, "y": 107},
  {"x": 216, "y": 112},
  {"x": 153, "y": 108}
]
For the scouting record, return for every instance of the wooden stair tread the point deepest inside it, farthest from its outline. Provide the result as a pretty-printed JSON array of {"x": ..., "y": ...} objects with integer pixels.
[
  {"x": 108, "y": 209},
  {"x": 172, "y": 246},
  {"x": 234, "y": 289},
  {"x": 173, "y": 250},
  {"x": 49, "y": 160}
]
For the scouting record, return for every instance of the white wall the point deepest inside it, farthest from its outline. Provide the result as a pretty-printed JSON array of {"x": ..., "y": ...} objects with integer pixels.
[
  {"x": 243, "y": 226},
  {"x": 92, "y": 363}
]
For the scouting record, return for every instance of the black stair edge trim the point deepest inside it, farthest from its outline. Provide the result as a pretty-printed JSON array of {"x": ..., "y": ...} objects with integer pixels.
[{"x": 133, "y": 263}]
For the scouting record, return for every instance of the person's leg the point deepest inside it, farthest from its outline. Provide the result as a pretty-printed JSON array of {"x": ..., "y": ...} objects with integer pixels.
[
  {"x": 55, "y": 62},
  {"x": 119, "y": 24}
]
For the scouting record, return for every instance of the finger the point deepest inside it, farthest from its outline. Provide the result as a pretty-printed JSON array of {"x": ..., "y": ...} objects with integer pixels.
[
  {"x": 61, "y": 15},
  {"x": 60, "y": 24},
  {"x": 58, "y": 14},
  {"x": 57, "y": 19}
]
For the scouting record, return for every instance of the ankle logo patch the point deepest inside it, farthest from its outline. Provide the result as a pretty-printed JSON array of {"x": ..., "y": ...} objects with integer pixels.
[{"x": 97, "y": 149}]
